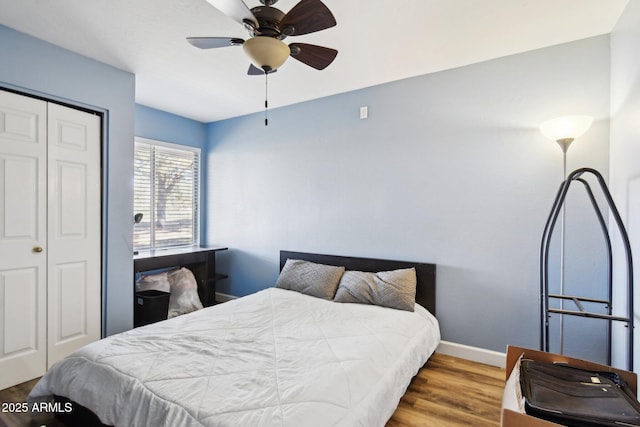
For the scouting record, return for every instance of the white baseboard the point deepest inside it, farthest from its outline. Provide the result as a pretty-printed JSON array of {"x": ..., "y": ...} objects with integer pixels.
[
  {"x": 475, "y": 354},
  {"x": 220, "y": 297}
]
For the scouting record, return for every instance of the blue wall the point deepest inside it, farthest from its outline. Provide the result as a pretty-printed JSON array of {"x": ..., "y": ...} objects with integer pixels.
[
  {"x": 162, "y": 126},
  {"x": 37, "y": 67},
  {"x": 449, "y": 168}
]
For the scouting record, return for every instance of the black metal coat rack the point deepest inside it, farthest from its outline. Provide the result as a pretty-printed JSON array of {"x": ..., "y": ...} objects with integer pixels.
[{"x": 545, "y": 310}]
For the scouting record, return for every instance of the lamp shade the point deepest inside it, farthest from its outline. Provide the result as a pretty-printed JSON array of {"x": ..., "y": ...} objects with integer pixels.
[
  {"x": 266, "y": 52},
  {"x": 566, "y": 127}
]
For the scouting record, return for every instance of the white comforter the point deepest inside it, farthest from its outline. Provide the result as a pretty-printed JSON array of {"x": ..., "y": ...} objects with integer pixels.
[{"x": 274, "y": 358}]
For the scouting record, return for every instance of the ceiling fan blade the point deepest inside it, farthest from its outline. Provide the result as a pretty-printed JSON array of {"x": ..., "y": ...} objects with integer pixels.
[
  {"x": 214, "y": 42},
  {"x": 234, "y": 9},
  {"x": 255, "y": 71},
  {"x": 318, "y": 57},
  {"x": 308, "y": 16}
]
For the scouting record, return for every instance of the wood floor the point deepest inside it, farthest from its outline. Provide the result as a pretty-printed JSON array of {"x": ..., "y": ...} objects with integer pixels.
[
  {"x": 449, "y": 391},
  {"x": 446, "y": 392}
]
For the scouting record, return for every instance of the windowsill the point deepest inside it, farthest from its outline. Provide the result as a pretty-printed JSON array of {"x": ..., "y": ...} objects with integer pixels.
[{"x": 176, "y": 251}]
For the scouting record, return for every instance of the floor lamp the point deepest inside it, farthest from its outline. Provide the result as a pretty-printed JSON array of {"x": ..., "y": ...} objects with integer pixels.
[{"x": 564, "y": 130}]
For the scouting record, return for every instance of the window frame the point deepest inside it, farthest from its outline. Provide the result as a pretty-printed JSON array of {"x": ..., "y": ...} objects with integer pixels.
[{"x": 197, "y": 198}]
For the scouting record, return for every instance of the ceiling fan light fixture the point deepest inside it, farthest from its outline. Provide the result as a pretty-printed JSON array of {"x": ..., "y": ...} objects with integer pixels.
[{"x": 266, "y": 53}]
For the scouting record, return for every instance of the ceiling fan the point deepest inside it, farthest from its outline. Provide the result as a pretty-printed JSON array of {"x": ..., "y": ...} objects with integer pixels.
[{"x": 267, "y": 28}]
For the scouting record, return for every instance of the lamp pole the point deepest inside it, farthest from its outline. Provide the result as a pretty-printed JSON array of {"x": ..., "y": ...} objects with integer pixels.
[{"x": 564, "y": 145}]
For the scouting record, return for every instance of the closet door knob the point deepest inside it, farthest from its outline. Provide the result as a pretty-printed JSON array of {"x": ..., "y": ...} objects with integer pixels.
[{"x": 37, "y": 249}]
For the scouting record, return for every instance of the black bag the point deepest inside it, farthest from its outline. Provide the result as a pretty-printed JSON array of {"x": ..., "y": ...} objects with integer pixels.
[{"x": 576, "y": 397}]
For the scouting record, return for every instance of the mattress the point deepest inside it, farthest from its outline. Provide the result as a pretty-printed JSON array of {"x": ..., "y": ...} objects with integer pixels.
[{"x": 273, "y": 358}]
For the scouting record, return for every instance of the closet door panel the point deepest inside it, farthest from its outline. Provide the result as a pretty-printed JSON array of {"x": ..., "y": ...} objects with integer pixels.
[
  {"x": 71, "y": 201},
  {"x": 19, "y": 288},
  {"x": 72, "y": 278},
  {"x": 19, "y": 176},
  {"x": 23, "y": 150},
  {"x": 74, "y": 275}
]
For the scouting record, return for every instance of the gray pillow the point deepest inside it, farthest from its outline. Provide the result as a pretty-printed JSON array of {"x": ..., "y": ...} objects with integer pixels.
[
  {"x": 309, "y": 278},
  {"x": 393, "y": 289}
]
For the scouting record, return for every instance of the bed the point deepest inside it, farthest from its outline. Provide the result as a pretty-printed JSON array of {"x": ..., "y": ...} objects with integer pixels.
[{"x": 278, "y": 357}]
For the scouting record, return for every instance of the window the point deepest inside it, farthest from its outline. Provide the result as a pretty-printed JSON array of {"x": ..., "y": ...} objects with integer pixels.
[{"x": 166, "y": 192}]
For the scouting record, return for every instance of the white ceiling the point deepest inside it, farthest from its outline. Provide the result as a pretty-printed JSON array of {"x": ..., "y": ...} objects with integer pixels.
[{"x": 378, "y": 41}]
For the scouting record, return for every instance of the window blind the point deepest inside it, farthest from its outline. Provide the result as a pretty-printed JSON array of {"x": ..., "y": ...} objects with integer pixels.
[{"x": 166, "y": 192}]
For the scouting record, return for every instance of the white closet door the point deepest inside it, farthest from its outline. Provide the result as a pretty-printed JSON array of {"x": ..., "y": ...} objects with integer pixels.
[
  {"x": 73, "y": 231},
  {"x": 23, "y": 250}
]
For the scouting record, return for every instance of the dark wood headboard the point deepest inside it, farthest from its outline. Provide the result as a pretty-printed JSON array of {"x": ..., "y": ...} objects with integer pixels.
[{"x": 426, "y": 273}]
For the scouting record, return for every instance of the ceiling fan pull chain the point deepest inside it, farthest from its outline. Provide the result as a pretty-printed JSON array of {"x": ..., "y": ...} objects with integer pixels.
[{"x": 266, "y": 97}]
